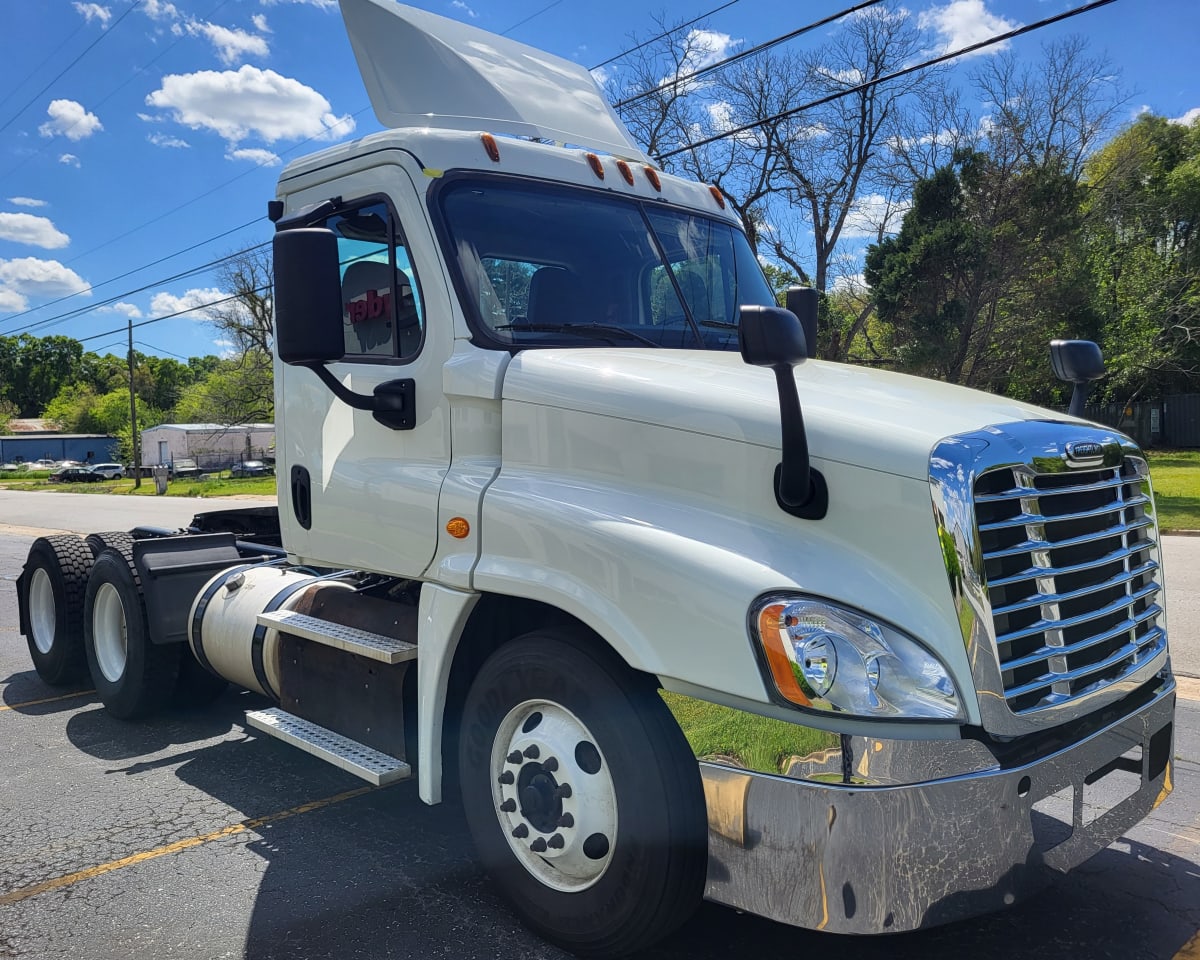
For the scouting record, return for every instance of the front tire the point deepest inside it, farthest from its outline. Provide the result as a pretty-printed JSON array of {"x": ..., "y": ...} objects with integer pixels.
[
  {"x": 582, "y": 795},
  {"x": 54, "y": 581},
  {"x": 133, "y": 676}
]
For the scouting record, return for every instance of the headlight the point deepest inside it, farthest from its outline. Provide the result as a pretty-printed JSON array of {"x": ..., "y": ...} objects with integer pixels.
[{"x": 829, "y": 657}]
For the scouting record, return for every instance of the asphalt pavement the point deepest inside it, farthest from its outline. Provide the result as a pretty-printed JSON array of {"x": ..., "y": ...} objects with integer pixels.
[{"x": 192, "y": 836}]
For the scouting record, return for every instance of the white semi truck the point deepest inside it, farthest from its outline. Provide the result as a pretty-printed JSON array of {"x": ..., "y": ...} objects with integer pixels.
[{"x": 856, "y": 651}]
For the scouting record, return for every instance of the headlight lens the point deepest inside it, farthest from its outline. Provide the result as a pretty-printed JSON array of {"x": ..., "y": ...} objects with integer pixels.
[{"x": 832, "y": 658}]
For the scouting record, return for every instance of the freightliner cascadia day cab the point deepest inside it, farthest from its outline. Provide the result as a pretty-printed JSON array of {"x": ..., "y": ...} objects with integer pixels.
[{"x": 571, "y": 527}]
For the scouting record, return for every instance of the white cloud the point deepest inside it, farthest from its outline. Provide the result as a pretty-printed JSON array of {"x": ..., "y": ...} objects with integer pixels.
[
  {"x": 961, "y": 23},
  {"x": 31, "y": 277},
  {"x": 69, "y": 119},
  {"x": 871, "y": 210},
  {"x": 706, "y": 47},
  {"x": 163, "y": 140},
  {"x": 93, "y": 11},
  {"x": 33, "y": 231},
  {"x": 159, "y": 10},
  {"x": 197, "y": 299},
  {"x": 123, "y": 308},
  {"x": 1188, "y": 118},
  {"x": 231, "y": 44},
  {"x": 264, "y": 158},
  {"x": 70, "y": 160},
  {"x": 27, "y": 202},
  {"x": 849, "y": 283},
  {"x": 601, "y": 75},
  {"x": 236, "y": 104},
  {"x": 260, "y": 23},
  {"x": 11, "y": 301},
  {"x": 459, "y": 5},
  {"x": 319, "y": 4}
]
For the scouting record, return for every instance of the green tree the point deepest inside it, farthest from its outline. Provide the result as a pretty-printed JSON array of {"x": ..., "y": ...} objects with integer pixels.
[
  {"x": 33, "y": 369},
  {"x": 1142, "y": 216}
]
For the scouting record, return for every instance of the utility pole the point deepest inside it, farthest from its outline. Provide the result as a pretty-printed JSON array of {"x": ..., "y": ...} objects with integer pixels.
[{"x": 133, "y": 430}]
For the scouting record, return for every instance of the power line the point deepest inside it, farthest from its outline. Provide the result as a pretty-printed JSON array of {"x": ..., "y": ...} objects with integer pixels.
[
  {"x": 866, "y": 85},
  {"x": 663, "y": 35},
  {"x": 145, "y": 266},
  {"x": 50, "y": 56},
  {"x": 177, "y": 313},
  {"x": 79, "y": 311},
  {"x": 32, "y": 100},
  {"x": 521, "y": 23},
  {"x": 741, "y": 55}
]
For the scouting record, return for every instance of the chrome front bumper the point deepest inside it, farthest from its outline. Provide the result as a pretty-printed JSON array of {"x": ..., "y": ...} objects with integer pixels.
[{"x": 866, "y": 860}]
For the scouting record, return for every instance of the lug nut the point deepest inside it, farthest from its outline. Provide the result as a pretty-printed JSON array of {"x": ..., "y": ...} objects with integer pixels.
[
  {"x": 562, "y": 791},
  {"x": 538, "y": 845},
  {"x": 550, "y": 765},
  {"x": 556, "y": 842},
  {"x": 532, "y": 752},
  {"x": 514, "y": 757},
  {"x": 506, "y": 777},
  {"x": 509, "y": 806},
  {"x": 520, "y": 831},
  {"x": 566, "y": 820}
]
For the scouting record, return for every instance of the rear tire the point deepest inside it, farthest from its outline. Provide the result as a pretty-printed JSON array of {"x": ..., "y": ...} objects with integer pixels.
[
  {"x": 582, "y": 795},
  {"x": 133, "y": 676},
  {"x": 54, "y": 581},
  {"x": 112, "y": 538}
]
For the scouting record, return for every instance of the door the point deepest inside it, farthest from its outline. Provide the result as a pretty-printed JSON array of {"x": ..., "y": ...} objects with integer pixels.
[{"x": 358, "y": 493}]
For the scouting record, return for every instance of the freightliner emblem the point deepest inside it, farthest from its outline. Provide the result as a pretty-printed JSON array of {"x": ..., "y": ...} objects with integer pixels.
[{"x": 1084, "y": 453}]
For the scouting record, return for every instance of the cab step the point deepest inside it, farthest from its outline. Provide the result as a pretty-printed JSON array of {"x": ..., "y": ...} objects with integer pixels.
[
  {"x": 353, "y": 757},
  {"x": 374, "y": 646}
]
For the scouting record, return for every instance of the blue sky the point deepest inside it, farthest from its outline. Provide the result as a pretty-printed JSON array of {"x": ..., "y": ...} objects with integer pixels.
[{"x": 130, "y": 132}]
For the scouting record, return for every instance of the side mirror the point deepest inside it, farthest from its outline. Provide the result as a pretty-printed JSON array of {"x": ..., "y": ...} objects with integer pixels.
[
  {"x": 1078, "y": 362},
  {"x": 308, "y": 297},
  {"x": 774, "y": 337},
  {"x": 802, "y": 301}
]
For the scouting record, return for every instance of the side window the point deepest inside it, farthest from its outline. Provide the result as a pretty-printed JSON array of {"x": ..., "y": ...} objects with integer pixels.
[{"x": 382, "y": 313}]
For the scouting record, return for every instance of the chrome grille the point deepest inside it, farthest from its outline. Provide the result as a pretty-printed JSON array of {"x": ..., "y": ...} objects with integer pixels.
[{"x": 1070, "y": 570}]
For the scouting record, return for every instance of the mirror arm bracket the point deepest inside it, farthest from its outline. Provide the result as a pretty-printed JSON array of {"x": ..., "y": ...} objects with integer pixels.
[
  {"x": 393, "y": 403},
  {"x": 800, "y": 490}
]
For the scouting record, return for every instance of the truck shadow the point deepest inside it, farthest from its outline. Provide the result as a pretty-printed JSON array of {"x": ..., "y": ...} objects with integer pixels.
[{"x": 25, "y": 692}]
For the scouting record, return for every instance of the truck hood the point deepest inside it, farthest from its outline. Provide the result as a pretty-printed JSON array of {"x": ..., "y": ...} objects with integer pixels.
[{"x": 854, "y": 415}]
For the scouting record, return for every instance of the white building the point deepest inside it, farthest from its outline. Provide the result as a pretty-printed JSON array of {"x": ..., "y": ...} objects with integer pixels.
[{"x": 211, "y": 445}]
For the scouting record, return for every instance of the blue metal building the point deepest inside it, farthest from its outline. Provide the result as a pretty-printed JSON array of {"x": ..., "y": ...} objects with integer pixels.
[{"x": 84, "y": 447}]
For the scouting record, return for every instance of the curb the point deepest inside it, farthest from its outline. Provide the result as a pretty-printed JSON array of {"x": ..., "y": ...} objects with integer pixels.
[{"x": 1183, "y": 533}]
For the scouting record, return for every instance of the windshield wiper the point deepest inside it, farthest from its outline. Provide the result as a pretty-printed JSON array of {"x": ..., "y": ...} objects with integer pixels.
[
  {"x": 580, "y": 330},
  {"x": 721, "y": 324}
]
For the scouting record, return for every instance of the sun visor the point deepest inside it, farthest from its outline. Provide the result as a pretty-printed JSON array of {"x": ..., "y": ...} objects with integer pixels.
[{"x": 422, "y": 70}]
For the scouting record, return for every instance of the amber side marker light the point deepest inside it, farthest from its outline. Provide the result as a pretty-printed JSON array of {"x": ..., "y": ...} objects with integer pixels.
[
  {"x": 458, "y": 527},
  {"x": 625, "y": 171},
  {"x": 489, "y": 144},
  {"x": 718, "y": 196},
  {"x": 772, "y": 633},
  {"x": 652, "y": 176},
  {"x": 595, "y": 164}
]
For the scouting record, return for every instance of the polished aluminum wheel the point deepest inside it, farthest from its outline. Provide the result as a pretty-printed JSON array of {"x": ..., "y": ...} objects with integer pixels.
[{"x": 111, "y": 632}]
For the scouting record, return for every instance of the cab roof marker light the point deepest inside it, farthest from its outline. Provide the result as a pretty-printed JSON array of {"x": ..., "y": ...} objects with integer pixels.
[
  {"x": 626, "y": 172},
  {"x": 718, "y": 196},
  {"x": 652, "y": 176},
  {"x": 595, "y": 164},
  {"x": 490, "y": 145}
]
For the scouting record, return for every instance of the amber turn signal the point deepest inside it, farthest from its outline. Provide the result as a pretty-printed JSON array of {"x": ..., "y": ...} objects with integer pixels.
[{"x": 458, "y": 527}]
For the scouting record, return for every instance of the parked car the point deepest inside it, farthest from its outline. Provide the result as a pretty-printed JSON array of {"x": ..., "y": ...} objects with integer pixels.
[
  {"x": 74, "y": 475},
  {"x": 183, "y": 467},
  {"x": 109, "y": 471},
  {"x": 251, "y": 468},
  {"x": 11, "y": 467},
  {"x": 44, "y": 464}
]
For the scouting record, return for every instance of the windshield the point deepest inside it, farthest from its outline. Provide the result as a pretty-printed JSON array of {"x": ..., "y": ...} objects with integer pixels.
[{"x": 552, "y": 266}]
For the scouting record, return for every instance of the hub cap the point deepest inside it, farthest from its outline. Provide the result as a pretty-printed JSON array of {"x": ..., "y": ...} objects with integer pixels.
[
  {"x": 110, "y": 633},
  {"x": 553, "y": 795},
  {"x": 41, "y": 610}
]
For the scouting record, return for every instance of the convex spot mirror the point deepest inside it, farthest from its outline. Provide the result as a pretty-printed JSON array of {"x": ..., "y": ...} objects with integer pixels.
[
  {"x": 308, "y": 296},
  {"x": 1076, "y": 361}
]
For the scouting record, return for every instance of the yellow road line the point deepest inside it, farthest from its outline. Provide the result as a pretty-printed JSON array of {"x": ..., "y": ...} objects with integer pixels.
[
  {"x": 24, "y": 893},
  {"x": 1190, "y": 950},
  {"x": 34, "y": 703}
]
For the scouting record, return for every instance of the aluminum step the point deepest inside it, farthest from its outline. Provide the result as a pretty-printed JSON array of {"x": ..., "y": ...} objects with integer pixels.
[
  {"x": 353, "y": 757},
  {"x": 375, "y": 646}
]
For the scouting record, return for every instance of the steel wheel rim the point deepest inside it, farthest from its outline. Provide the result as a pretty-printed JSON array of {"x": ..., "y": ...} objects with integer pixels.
[
  {"x": 43, "y": 617},
  {"x": 554, "y": 796},
  {"x": 110, "y": 633}
]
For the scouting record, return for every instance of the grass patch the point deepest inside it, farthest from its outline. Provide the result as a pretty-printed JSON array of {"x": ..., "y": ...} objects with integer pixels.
[
  {"x": 1176, "y": 478},
  {"x": 213, "y": 486},
  {"x": 757, "y": 743}
]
